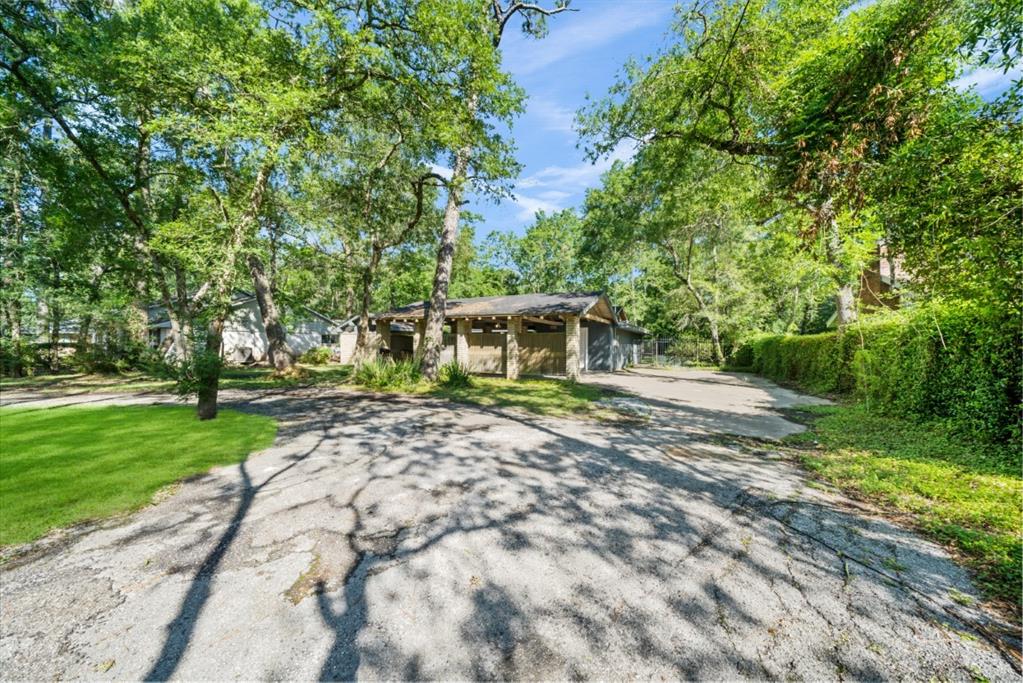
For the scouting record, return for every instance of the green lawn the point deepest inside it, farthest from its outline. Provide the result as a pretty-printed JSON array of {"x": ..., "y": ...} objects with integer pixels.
[
  {"x": 540, "y": 396},
  {"x": 59, "y": 466},
  {"x": 231, "y": 378},
  {"x": 966, "y": 495}
]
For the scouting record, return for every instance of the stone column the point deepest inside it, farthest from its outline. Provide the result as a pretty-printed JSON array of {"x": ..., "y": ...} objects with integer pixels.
[
  {"x": 511, "y": 368},
  {"x": 384, "y": 332},
  {"x": 418, "y": 335},
  {"x": 463, "y": 328},
  {"x": 572, "y": 347}
]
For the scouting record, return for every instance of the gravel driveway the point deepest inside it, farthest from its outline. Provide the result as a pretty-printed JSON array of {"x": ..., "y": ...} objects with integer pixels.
[{"x": 402, "y": 538}]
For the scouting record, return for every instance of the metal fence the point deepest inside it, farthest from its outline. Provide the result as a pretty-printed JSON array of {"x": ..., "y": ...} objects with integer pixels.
[{"x": 680, "y": 351}]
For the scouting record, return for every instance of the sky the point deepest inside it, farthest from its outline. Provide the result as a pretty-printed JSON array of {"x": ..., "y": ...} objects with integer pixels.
[{"x": 582, "y": 55}]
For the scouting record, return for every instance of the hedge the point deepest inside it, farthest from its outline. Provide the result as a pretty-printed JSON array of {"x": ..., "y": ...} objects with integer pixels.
[{"x": 948, "y": 362}]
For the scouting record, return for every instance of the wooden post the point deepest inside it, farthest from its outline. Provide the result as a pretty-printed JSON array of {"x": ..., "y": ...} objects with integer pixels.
[
  {"x": 572, "y": 347},
  {"x": 463, "y": 328},
  {"x": 511, "y": 368}
]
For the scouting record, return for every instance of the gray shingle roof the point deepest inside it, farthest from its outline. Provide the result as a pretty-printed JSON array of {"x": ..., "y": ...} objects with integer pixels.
[{"x": 572, "y": 303}]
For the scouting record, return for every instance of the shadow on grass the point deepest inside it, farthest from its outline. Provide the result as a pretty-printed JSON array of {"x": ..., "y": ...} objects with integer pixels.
[{"x": 537, "y": 396}]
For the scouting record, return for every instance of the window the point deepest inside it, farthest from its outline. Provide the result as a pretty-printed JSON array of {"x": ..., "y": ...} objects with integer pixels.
[{"x": 327, "y": 339}]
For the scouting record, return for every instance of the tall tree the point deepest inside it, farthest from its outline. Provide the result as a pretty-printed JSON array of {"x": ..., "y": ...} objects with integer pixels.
[{"x": 486, "y": 94}]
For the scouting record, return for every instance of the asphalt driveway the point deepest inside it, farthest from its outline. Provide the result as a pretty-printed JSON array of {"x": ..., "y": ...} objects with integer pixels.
[{"x": 401, "y": 538}]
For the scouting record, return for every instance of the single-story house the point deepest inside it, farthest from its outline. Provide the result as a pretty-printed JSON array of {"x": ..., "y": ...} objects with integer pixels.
[
  {"x": 245, "y": 336},
  {"x": 524, "y": 334}
]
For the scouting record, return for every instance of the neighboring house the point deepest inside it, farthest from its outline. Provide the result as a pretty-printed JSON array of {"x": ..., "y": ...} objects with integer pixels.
[
  {"x": 882, "y": 279},
  {"x": 526, "y": 334},
  {"x": 245, "y": 337}
]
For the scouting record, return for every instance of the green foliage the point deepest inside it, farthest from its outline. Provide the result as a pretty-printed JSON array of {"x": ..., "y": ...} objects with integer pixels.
[
  {"x": 388, "y": 375},
  {"x": 962, "y": 493},
  {"x": 18, "y": 358},
  {"x": 316, "y": 356},
  {"x": 67, "y": 465},
  {"x": 956, "y": 363},
  {"x": 454, "y": 375},
  {"x": 193, "y": 375}
]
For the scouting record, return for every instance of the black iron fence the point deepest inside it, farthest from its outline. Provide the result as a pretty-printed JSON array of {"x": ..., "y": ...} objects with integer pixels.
[{"x": 680, "y": 351}]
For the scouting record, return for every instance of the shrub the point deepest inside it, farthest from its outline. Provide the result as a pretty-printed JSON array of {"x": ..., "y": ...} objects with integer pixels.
[
  {"x": 18, "y": 358},
  {"x": 317, "y": 356},
  {"x": 196, "y": 375},
  {"x": 110, "y": 358},
  {"x": 955, "y": 363},
  {"x": 454, "y": 375},
  {"x": 387, "y": 374}
]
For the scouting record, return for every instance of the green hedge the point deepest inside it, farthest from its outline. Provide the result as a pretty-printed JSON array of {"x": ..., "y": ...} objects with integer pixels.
[{"x": 953, "y": 363}]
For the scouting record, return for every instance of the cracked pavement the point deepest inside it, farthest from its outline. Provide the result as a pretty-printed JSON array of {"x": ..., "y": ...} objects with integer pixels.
[{"x": 410, "y": 538}]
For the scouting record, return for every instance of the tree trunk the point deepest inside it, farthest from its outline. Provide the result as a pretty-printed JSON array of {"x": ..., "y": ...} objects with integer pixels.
[
  {"x": 430, "y": 347},
  {"x": 363, "y": 352},
  {"x": 845, "y": 296},
  {"x": 687, "y": 280},
  {"x": 845, "y": 304},
  {"x": 208, "y": 371},
  {"x": 54, "y": 337},
  {"x": 281, "y": 356},
  {"x": 84, "y": 328},
  {"x": 208, "y": 367}
]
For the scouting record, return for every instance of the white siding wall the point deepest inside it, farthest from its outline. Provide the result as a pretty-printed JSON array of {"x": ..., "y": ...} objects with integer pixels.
[
  {"x": 306, "y": 334},
  {"x": 244, "y": 331}
]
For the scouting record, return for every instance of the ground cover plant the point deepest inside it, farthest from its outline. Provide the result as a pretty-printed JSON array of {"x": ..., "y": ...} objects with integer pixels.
[
  {"x": 60, "y": 466},
  {"x": 965, "y": 495}
]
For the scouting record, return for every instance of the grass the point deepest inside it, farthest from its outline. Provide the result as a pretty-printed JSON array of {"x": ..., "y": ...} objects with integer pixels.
[
  {"x": 968, "y": 496},
  {"x": 539, "y": 396},
  {"x": 231, "y": 378},
  {"x": 60, "y": 466}
]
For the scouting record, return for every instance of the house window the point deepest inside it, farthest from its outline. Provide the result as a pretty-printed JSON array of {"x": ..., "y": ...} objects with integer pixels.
[{"x": 328, "y": 339}]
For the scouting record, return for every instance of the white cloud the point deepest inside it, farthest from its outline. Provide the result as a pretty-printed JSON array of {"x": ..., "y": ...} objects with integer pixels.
[
  {"x": 580, "y": 176},
  {"x": 442, "y": 171},
  {"x": 987, "y": 81},
  {"x": 556, "y": 187},
  {"x": 551, "y": 115},
  {"x": 528, "y": 206},
  {"x": 572, "y": 33}
]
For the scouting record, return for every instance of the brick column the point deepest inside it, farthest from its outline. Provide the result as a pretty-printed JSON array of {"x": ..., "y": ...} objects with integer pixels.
[
  {"x": 511, "y": 368},
  {"x": 572, "y": 347},
  {"x": 463, "y": 328}
]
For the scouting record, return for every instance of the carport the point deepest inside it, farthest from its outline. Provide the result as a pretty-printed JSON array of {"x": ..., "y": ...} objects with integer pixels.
[{"x": 526, "y": 334}]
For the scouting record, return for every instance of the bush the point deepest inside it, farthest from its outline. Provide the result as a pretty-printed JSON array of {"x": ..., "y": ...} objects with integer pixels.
[
  {"x": 197, "y": 374},
  {"x": 454, "y": 375},
  {"x": 318, "y": 356},
  {"x": 387, "y": 374},
  {"x": 18, "y": 358},
  {"x": 110, "y": 358},
  {"x": 953, "y": 363}
]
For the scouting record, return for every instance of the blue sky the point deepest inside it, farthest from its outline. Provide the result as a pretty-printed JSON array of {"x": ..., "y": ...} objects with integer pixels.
[{"x": 582, "y": 55}]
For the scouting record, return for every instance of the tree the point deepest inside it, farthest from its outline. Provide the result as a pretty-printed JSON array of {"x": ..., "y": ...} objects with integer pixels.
[
  {"x": 479, "y": 153},
  {"x": 816, "y": 95}
]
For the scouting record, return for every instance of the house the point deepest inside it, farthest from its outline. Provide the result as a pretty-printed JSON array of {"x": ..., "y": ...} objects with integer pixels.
[
  {"x": 883, "y": 278},
  {"x": 525, "y": 334},
  {"x": 245, "y": 336}
]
